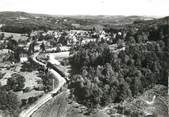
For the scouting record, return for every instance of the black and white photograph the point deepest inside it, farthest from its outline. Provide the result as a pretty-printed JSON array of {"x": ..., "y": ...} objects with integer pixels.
[{"x": 84, "y": 58}]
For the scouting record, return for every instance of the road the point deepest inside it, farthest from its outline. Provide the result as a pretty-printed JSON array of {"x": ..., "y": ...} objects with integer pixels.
[{"x": 61, "y": 81}]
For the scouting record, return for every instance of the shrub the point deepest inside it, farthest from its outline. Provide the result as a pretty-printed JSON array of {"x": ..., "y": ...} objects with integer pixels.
[
  {"x": 9, "y": 102},
  {"x": 16, "y": 82}
]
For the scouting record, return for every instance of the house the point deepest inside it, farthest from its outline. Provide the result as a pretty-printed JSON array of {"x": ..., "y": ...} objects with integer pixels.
[
  {"x": 23, "y": 57},
  {"x": 88, "y": 40},
  {"x": 1, "y": 25}
]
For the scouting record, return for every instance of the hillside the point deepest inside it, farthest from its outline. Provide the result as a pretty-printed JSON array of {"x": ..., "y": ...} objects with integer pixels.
[
  {"x": 155, "y": 22},
  {"x": 139, "y": 106},
  {"x": 114, "y": 20},
  {"x": 22, "y": 22}
]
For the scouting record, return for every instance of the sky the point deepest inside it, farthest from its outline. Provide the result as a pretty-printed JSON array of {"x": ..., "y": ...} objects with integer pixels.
[{"x": 89, "y": 7}]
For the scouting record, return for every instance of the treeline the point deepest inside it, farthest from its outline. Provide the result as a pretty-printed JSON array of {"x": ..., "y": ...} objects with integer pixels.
[
  {"x": 9, "y": 102},
  {"x": 23, "y": 28},
  {"x": 100, "y": 76},
  {"x": 26, "y": 27}
]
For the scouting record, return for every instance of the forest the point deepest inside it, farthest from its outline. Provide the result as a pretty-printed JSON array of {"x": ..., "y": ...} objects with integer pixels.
[{"x": 101, "y": 76}]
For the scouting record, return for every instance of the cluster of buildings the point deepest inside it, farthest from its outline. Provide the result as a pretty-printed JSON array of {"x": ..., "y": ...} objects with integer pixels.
[
  {"x": 73, "y": 37},
  {"x": 69, "y": 37}
]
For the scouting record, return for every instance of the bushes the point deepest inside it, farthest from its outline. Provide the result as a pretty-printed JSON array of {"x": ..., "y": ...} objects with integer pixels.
[
  {"x": 13, "y": 45},
  {"x": 9, "y": 102},
  {"x": 16, "y": 82},
  {"x": 30, "y": 100},
  {"x": 2, "y": 35},
  {"x": 1, "y": 75},
  {"x": 47, "y": 79},
  {"x": 28, "y": 67}
]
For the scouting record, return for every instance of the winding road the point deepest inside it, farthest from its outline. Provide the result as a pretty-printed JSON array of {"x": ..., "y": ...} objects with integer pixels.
[{"x": 61, "y": 81}]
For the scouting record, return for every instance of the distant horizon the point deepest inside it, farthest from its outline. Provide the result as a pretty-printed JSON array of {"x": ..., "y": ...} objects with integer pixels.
[
  {"x": 151, "y": 16},
  {"x": 157, "y": 8}
]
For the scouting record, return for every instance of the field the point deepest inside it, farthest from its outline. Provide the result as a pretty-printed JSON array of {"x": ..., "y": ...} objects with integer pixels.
[
  {"x": 16, "y": 36},
  {"x": 31, "y": 81}
]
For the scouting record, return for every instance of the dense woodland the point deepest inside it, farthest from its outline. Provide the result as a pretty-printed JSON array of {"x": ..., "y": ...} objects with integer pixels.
[
  {"x": 9, "y": 102},
  {"x": 101, "y": 76}
]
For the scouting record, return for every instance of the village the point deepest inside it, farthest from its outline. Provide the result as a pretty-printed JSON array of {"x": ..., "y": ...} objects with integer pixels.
[
  {"x": 73, "y": 67},
  {"x": 55, "y": 41},
  {"x": 16, "y": 50}
]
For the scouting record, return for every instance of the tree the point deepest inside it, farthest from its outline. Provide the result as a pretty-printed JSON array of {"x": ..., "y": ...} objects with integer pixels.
[
  {"x": 120, "y": 43},
  {"x": 2, "y": 35},
  {"x": 12, "y": 44},
  {"x": 63, "y": 39},
  {"x": 139, "y": 38},
  {"x": 32, "y": 99},
  {"x": 31, "y": 48},
  {"x": 1, "y": 75},
  {"x": 136, "y": 86},
  {"x": 96, "y": 94},
  {"x": 16, "y": 82},
  {"x": 9, "y": 102},
  {"x": 106, "y": 55},
  {"x": 131, "y": 40},
  {"x": 108, "y": 72},
  {"x": 47, "y": 79},
  {"x": 42, "y": 47},
  {"x": 123, "y": 90}
]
